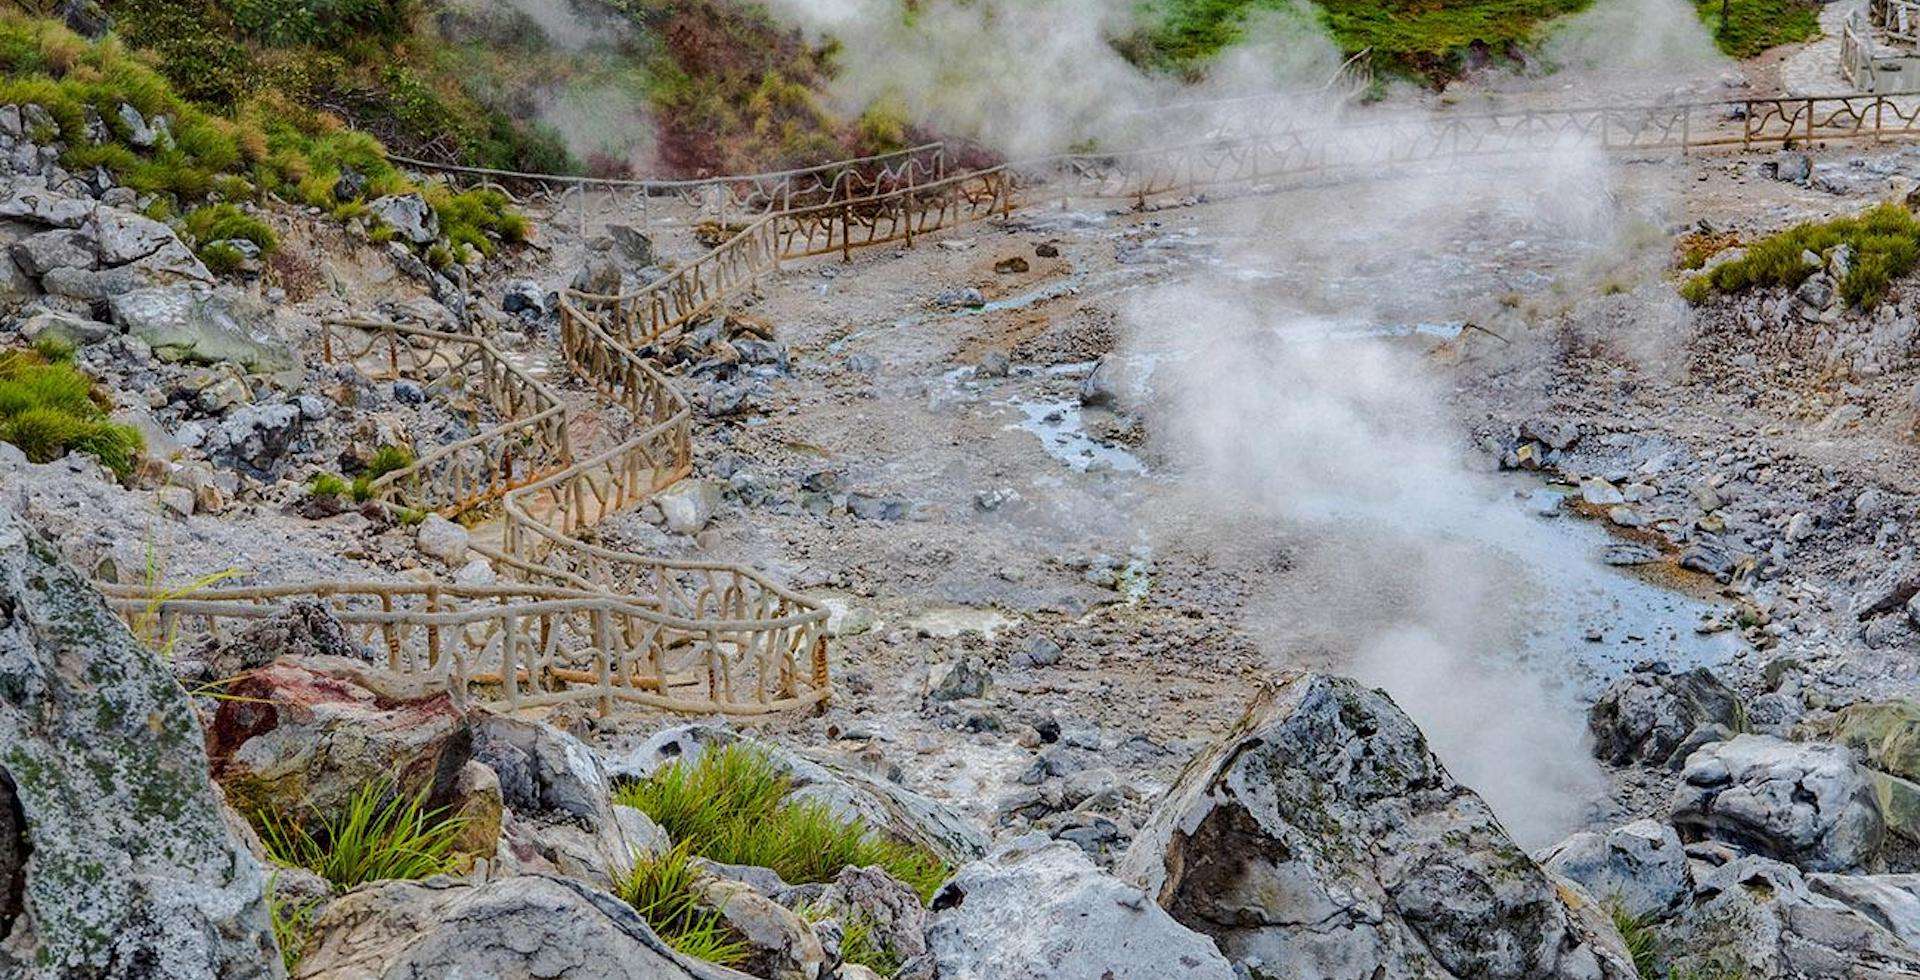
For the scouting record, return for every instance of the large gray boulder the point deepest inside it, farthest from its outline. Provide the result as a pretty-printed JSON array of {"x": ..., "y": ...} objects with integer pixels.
[
  {"x": 887, "y": 808},
  {"x": 1805, "y": 803},
  {"x": 1037, "y": 909},
  {"x": 1321, "y": 840},
  {"x": 408, "y": 214},
  {"x": 1641, "y": 867},
  {"x": 206, "y": 327},
  {"x": 526, "y": 926},
  {"x": 1648, "y": 714},
  {"x": 1758, "y": 918},
  {"x": 130, "y": 869}
]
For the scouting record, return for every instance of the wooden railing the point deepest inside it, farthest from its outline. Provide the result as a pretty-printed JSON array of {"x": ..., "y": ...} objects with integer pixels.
[{"x": 471, "y": 473}]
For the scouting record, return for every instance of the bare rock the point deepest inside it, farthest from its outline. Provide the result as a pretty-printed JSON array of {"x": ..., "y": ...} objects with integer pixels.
[
  {"x": 526, "y": 926},
  {"x": 1647, "y": 715},
  {"x": 1641, "y": 867},
  {"x": 1321, "y": 840},
  {"x": 1037, "y": 909},
  {"x": 1804, "y": 803}
]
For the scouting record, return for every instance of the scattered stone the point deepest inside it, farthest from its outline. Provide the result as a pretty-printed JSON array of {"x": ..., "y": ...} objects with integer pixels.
[
  {"x": 1013, "y": 265},
  {"x": 1041, "y": 652},
  {"x": 993, "y": 364},
  {"x": 967, "y": 678},
  {"x": 633, "y": 245},
  {"x": 960, "y": 298},
  {"x": 1097, "y": 388},
  {"x": 689, "y": 505}
]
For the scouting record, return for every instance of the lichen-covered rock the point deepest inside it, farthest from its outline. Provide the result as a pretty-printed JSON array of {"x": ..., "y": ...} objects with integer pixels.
[
  {"x": 1321, "y": 840},
  {"x": 182, "y": 323},
  {"x": 893, "y": 810},
  {"x": 1641, "y": 867},
  {"x": 527, "y": 926},
  {"x": 1037, "y": 909},
  {"x": 1882, "y": 734},
  {"x": 1758, "y": 918},
  {"x": 1647, "y": 715},
  {"x": 130, "y": 867},
  {"x": 1804, "y": 803},
  {"x": 889, "y": 908}
]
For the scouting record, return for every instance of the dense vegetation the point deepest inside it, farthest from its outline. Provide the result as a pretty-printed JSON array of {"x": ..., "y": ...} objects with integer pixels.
[
  {"x": 731, "y": 806},
  {"x": 1436, "y": 40},
  {"x": 1752, "y": 26},
  {"x": 49, "y": 408},
  {"x": 1885, "y": 242},
  {"x": 221, "y": 155}
]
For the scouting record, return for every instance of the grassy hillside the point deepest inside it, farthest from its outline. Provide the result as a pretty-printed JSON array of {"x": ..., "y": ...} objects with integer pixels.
[
  {"x": 1438, "y": 39},
  {"x": 604, "y": 86}
]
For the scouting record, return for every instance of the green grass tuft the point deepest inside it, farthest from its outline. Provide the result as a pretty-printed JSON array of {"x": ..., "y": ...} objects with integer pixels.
[
  {"x": 731, "y": 807},
  {"x": 48, "y": 408},
  {"x": 1886, "y": 246},
  {"x": 660, "y": 889},
  {"x": 377, "y": 835},
  {"x": 328, "y": 485},
  {"x": 292, "y": 928}
]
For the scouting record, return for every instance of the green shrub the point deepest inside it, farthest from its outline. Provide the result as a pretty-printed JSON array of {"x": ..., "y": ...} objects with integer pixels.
[
  {"x": 1753, "y": 26},
  {"x": 660, "y": 890},
  {"x": 377, "y": 835},
  {"x": 731, "y": 807},
  {"x": 48, "y": 408},
  {"x": 860, "y": 945},
  {"x": 1885, "y": 241},
  {"x": 221, "y": 222},
  {"x": 327, "y": 485},
  {"x": 292, "y": 928}
]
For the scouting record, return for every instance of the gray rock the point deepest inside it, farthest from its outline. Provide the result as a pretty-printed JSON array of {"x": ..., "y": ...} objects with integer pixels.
[
  {"x": 599, "y": 276},
  {"x": 868, "y": 507},
  {"x": 133, "y": 870},
  {"x": 255, "y": 438},
  {"x": 138, "y": 132},
  {"x": 525, "y": 926},
  {"x": 1646, "y": 715},
  {"x": 1097, "y": 388},
  {"x": 1793, "y": 167},
  {"x": 44, "y": 207},
  {"x": 967, "y": 678},
  {"x": 891, "y": 909},
  {"x": 544, "y": 771},
  {"x": 993, "y": 364},
  {"x": 57, "y": 249},
  {"x": 523, "y": 296},
  {"x": 1805, "y": 803},
  {"x": 886, "y": 807},
  {"x": 963, "y": 297},
  {"x": 1754, "y": 917},
  {"x": 633, "y": 245},
  {"x": 443, "y": 540},
  {"x": 126, "y": 238},
  {"x": 204, "y": 327},
  {"x": 688, "y": 505},
  {"x": 77, "y": 330},
  {"x": 1036, "y": 909},
  {"x": 1641, "y": 867},
  {"x": 1321, "y": 840},
  {"x": 1042, "y": 652},
  {"x": 409, "y": 215}
]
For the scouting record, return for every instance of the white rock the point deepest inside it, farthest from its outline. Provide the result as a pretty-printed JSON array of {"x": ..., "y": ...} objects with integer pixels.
[{"x": 443, "y": 539}]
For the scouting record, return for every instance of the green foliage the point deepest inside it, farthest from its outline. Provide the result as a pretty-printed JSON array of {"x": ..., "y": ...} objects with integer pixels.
[
  {"x": 292, "y": 928},
  {"x": 1642, "y": 945},
  {"x": 1753, "y": 26},
  {"x": 320, "y": 23},
  {"x": 731, "y": 807},
  {"x": 860, "y": 945},
  {"x": 1885, "y": 241},
  {"x": 1428, "y": 38},
  {"x": 660, "y": 889},
  {"x": 327, "y": 485},
  {"x": 48, "y": 408},
  {"x": 386, "y": 459},
  {"x": 377, "y": 835},
  {"x": 218, "y": 222}
]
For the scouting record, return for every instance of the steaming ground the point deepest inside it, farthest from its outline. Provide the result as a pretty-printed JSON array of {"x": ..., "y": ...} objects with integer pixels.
[{"x": 1288, "y": 477}]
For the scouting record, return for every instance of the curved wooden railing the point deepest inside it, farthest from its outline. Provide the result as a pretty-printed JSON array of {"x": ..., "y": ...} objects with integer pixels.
[
  {"x": 591, "y": 623},
  {"x": 720, "y": 199},
  {"x": 452, "y": 479}
]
